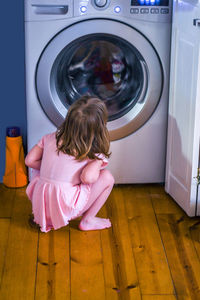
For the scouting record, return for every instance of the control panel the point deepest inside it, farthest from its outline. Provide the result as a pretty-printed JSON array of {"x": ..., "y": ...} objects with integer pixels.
[
  {"x": 150, "y": 2},
  {"x": 149, "y": 6},
  {"x": 147, "y": 10}
]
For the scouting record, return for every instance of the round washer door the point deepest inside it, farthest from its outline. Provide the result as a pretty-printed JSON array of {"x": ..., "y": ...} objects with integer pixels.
[{"x": 105, "y": 58}]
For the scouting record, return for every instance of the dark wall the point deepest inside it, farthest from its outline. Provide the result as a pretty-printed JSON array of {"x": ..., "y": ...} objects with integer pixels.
[{"x": 13, "y": 108}]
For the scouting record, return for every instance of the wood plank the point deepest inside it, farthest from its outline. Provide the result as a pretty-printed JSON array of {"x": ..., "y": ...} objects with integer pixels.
[
  {"x": 109, "y": 266},
  {"x": 182, "y": 256},
  {"x": 125, "y": 271},
  {"x": 163, "y": 203},
  {"x": 102, "y": 262},
  {"x": 7, "y": 196},
  {"x": 18, "y": 280},
  {"x": 53, "y": 274},
  {"x": 87, "y": 276},
  {"x": 152, "y": 266},
  {"x": 140, "y": 190},
  {"x": 159, "y": 297},
  {"x": 194, "y": 228},
  {"x": 4, "y": 231}
]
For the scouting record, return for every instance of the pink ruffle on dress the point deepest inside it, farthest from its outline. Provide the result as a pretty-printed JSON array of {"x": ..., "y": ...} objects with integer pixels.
[{"x": 56, "y": 192}]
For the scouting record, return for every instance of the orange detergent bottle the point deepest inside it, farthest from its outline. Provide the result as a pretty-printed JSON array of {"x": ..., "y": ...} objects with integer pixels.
[{"x": 15, "y": 169}]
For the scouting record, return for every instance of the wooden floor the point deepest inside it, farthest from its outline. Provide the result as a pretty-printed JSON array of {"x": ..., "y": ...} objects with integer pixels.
[{"x": 152, "y": 251}]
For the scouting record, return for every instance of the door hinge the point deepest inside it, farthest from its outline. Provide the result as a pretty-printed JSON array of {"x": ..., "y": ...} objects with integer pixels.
[{"x": 198, "y": 176}]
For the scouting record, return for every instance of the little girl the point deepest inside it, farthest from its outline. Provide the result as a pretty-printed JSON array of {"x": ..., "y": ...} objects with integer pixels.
[{"x": 72, "y": 181}]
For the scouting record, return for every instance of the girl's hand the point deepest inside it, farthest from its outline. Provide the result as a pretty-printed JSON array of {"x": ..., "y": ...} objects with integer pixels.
[{"x": 90, "y": 173}]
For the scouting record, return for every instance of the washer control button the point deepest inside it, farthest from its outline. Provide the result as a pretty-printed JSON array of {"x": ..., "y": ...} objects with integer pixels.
[
  {"x": 154, "y": 10},
  {"x": 100, "y": 3},
  {"x": 83, "y": 9},
  {"x": 144, "y": 10},
  {"x": 117, "y": 9},
  {"x": 164, "y": 10},
  {"x": 134, "y": 11}
]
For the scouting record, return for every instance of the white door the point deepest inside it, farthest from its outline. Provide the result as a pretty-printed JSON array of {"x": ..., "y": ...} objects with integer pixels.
[{"x": 184, "y": 107}]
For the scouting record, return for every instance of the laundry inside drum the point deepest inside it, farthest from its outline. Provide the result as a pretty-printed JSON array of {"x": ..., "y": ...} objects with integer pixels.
[{"x": 102, "y": 65}]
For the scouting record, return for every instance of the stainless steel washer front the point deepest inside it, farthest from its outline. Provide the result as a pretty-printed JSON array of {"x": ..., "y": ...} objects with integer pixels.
[{"x": 123, "y": 70}]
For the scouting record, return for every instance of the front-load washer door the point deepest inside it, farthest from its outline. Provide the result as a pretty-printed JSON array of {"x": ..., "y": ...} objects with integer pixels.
[{"x": 105, "y": 58}]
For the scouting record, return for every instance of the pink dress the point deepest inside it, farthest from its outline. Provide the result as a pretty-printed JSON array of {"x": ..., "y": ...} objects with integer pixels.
[{"x": 56, "y": 192}]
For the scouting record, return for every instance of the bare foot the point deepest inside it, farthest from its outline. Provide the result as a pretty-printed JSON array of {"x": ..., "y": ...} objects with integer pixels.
[{"x": 94, "y": 223}]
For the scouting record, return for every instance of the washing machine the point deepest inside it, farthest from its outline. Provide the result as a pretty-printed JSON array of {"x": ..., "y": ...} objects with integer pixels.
[{"x": 118, "y": 50}]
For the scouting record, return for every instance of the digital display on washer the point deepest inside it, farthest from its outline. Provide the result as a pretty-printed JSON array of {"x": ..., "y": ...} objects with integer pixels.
[{"x": 150, "y": 2}]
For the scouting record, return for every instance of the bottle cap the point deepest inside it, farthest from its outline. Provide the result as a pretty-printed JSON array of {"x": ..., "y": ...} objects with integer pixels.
[{"x": 13, "y": 131}]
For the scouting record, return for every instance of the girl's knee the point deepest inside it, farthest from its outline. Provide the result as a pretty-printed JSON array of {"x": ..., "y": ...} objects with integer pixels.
[{"x": 107, "y": 177}]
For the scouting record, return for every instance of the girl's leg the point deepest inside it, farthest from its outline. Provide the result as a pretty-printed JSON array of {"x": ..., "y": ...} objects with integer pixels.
[{"x": 100, "y": 191}]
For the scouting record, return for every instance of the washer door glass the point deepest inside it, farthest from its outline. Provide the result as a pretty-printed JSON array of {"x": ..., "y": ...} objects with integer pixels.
[
  {"x": 102, "y": 65},
  {"x": 105, "y": 58}
]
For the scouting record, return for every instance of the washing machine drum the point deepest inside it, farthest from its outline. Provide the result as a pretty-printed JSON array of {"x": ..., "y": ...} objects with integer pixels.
[{"x": 112, "y": 61}]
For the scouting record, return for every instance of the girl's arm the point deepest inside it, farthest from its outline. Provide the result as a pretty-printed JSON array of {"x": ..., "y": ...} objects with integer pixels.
[
  {"x": 34, "y": 157},
  {"x": 90, "y": 173}
]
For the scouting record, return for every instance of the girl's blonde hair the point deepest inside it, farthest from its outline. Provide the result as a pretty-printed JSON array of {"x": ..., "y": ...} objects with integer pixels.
[{"x": 84, "y": 134}]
